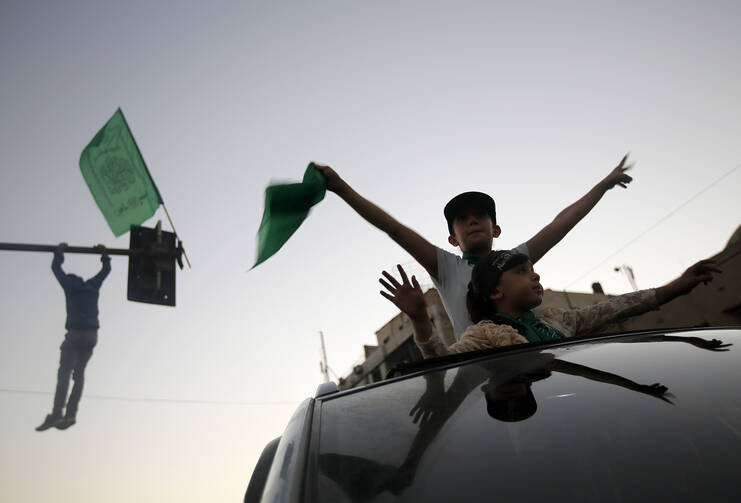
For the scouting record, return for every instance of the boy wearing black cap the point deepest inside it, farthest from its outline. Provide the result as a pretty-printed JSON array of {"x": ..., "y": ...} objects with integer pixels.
[{"x": 472, "y": 227}]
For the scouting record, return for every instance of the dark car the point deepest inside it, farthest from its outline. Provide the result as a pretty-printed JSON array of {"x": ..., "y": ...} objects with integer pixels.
[{"x": 649, "y": 416}]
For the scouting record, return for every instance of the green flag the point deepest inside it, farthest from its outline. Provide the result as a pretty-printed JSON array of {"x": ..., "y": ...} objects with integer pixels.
[
  {"x": 286, "y": 206},
  {"x": 118, "y": 178}
]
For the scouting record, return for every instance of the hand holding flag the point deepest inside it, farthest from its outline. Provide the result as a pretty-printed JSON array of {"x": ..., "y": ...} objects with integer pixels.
[{"x": 286, "y": 207}]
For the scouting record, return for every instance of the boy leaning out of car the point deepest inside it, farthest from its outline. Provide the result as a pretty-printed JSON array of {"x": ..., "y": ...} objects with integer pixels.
[{"x": 504, "y": 289}]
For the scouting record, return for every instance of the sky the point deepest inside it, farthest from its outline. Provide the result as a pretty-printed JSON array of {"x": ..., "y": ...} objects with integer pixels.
[{"x": 411, "y": 103}]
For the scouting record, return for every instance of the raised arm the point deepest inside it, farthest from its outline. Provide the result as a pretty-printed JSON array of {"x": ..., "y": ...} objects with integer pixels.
[
  {"x": 408, "y": 297},
  {"x": 555, "y": 231},
  {"x": 56, "y": 264},
  {"x": 97, "y": 280},
  {"x": 417, "y": 246}
]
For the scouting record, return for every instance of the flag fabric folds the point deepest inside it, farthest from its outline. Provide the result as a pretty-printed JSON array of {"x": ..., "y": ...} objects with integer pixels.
[
  {"x": 286, "y": 207},
  {"x": 117, "y": 176}
]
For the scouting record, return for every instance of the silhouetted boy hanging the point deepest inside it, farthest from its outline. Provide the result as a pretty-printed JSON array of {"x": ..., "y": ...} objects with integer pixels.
[{"x": 80, "y": 339}]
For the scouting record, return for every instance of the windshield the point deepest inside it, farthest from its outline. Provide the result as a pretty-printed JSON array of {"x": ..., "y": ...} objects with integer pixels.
[{"x": 650, "y": 416}]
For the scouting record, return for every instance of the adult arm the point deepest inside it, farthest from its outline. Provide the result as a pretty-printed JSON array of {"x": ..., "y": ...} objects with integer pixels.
[
  {"x": 418, "y": 247},
  {"x": 555, "y": 231}
]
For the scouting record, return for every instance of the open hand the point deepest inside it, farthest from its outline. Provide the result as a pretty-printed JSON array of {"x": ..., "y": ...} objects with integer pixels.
[
  {"x": 408, "y": 297},
  {"x": 656, "y": 389},
  {"x": 426, "y": 408},
  {"x": 710, "y": 345},
  {"x": 618, "y": 176},
  {"x": 701, "y": 272},
  {"x": 334, "y": 182}
]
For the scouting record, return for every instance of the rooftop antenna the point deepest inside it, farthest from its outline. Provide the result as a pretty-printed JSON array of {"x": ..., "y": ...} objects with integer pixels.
[
  {"x": 323, "y": 367},
  {"x": 628, "y": 271}
]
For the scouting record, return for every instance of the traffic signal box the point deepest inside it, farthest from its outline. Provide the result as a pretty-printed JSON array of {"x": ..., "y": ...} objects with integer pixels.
[{"x": 152, "y": 268}]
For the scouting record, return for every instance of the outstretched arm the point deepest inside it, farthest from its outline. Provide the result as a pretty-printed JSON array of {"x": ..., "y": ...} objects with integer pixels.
[
  {"x": 592, "y": 318},
  {"x": 565, "y": 367},
  {"x": 701, "y": 272},
  {"x": 554, "y": 232},
  {"x": 417, "y": 246}
]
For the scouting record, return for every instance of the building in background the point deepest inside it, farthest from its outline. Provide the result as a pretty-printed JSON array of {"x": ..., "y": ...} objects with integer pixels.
[{"x": 715, "y": 304}]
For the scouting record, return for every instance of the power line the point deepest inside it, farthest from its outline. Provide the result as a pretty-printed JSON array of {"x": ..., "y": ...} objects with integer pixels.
[
  {"x": 656, "y": 224},
  {"x": 142, "y": 399}
]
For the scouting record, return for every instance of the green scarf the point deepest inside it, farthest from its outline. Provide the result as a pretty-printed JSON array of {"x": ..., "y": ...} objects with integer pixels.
[
  {"x": 471, "y": 257},
  {"x": 530, "y": 327}
]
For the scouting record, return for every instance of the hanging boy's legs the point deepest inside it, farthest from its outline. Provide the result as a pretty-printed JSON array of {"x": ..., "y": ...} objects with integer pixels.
[
  {"x": 84, "y": 341},
  {"x": 67, "y": 357},
  {"x": 84, "y": 353},
  {"x": 75, "y": 352}
]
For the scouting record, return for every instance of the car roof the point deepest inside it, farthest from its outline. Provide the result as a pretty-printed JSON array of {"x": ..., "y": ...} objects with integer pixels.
[{"x": 637, "y": 416}]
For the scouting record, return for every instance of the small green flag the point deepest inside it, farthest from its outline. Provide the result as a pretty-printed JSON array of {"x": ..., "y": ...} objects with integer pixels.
[
  {"x": 286, "y": 207},
  {"x": 118, "y": 178}
]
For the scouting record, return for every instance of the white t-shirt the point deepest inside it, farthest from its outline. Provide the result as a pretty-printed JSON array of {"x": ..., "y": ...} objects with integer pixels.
[{"x": 453, "y": 276}]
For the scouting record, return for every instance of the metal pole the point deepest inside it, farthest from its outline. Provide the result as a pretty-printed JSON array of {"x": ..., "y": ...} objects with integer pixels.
[
  {"x": 323, "y": 364},
  {"x": 84, "y": 249},
  {"x": 628, "y": 271},
  {"x": 174, "y": 231}
]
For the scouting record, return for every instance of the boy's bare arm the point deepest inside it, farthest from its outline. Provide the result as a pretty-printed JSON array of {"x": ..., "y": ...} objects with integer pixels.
[
  {"x": 554, "y": 232},
  {"x": 417, "y": 246},
  {"x": 410, "y": 300}
]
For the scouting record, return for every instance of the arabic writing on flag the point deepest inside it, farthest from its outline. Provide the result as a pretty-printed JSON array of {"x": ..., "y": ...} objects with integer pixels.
[{"x": 117, "y": 176}]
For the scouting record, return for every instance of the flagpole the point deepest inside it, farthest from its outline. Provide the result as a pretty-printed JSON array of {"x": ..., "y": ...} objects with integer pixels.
[
  {"x": 154, "y": 184},
  {"x": 175, "y": 232}
]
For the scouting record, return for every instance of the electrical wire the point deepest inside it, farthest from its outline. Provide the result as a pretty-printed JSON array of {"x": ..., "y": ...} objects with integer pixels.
[
  {"x": 158, "y": 400},
  {"x": 654, "y": 225}
]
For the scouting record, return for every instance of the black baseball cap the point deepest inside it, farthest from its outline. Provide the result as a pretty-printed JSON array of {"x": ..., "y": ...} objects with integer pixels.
[{"x": 466, "y": 201}]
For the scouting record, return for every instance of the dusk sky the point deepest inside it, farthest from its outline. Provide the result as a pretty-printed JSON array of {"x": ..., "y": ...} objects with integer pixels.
[{"x": 411, "y": 102}]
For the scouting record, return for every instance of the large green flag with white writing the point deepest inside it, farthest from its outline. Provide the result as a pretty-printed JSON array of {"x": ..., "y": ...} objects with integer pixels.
[{"x": 118, "y": 178}]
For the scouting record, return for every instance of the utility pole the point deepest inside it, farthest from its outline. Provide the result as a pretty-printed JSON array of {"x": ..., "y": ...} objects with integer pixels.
[
  {"x": 152, "y": 254},
  {"x": 628, "y": 271},
  {"x": 323, "y": 364}
]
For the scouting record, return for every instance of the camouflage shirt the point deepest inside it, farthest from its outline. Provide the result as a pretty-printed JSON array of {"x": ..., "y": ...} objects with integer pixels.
[{"x": 570, "y": 322}]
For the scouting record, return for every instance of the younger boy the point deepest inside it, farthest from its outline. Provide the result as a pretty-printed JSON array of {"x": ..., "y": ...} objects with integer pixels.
[
  {"x": 472, "y": 226},
  {"x": 504, "y": 289}
]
